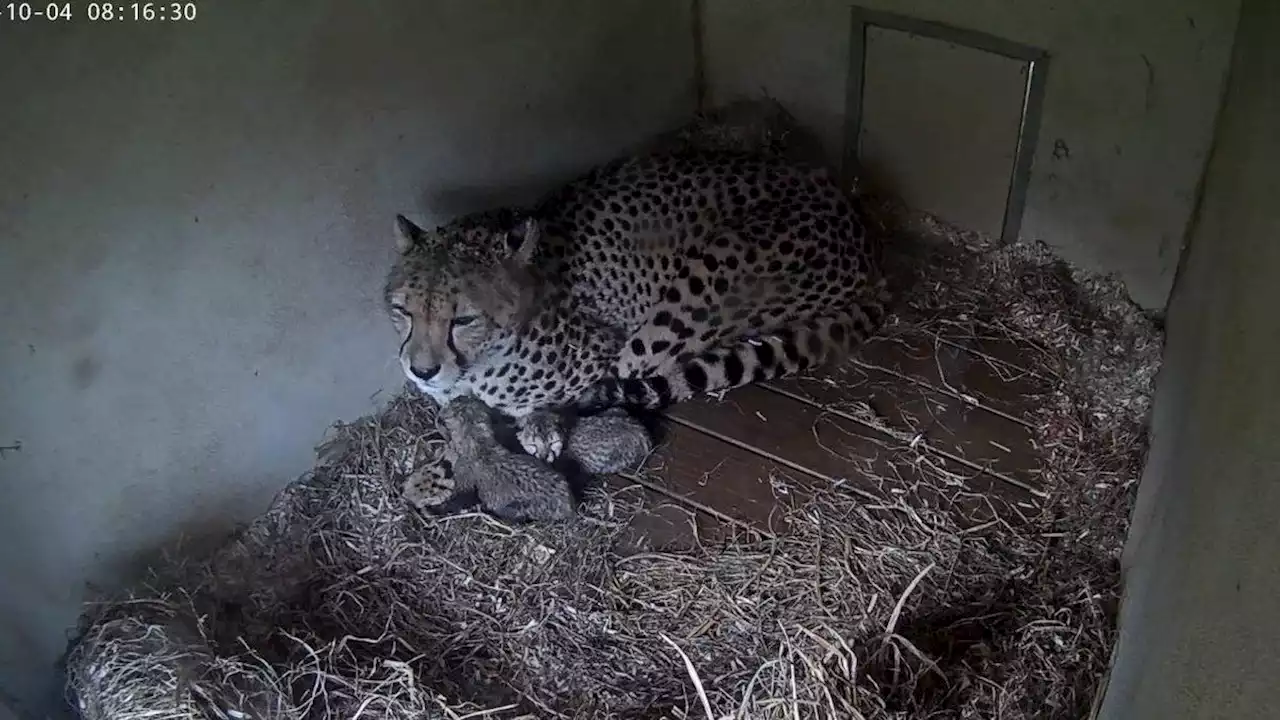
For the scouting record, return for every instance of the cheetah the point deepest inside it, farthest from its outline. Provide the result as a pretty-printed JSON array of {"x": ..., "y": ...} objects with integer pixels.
[
  {"x": 647, "y": 281},
  {"x": 510, "y": 485},
  {"x": 606, "y": 443},
  {"x": 476, "y": 468}
]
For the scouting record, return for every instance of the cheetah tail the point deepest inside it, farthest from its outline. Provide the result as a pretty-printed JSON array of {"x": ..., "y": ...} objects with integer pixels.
[{"x": 787, "y": 351}]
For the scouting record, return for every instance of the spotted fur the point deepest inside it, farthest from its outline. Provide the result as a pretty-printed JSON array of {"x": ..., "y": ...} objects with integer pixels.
[
  {"x": 645, "y": 282},
  {"x": 477, "y": 469},
  {"x": 512, "y": 486},
  {"x": 608, "y": 442}
]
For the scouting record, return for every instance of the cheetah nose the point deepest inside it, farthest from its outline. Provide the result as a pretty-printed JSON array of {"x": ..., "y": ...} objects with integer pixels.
[{"x": 424, "y": 375}]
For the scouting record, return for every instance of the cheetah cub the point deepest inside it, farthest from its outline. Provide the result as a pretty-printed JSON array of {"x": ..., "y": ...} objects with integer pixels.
[
  {"x": 510, "y": 485},
  {"x": 607, "y": 443}
]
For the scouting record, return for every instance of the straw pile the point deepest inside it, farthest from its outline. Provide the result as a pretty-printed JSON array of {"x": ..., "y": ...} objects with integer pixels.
[{"x": 343, "y": 602}]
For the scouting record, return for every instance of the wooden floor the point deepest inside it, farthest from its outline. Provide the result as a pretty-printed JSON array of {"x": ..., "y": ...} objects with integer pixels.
[{"x": 935, "y": 420}]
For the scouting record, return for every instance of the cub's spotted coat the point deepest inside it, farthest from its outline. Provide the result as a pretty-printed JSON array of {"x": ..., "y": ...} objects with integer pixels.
[
  {"x": 477, "y": 468},
  {"x": 510, "y": 485}
]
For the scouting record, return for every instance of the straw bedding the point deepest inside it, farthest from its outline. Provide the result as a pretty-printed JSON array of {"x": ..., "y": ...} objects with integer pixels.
[{"x": 343, "y": 602}]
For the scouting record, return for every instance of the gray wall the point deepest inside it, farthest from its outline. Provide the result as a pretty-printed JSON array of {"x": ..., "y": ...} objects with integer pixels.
[
  {"x": 194, "y": 226},
  {"x": 1132, "y": 91},
  {"x": 1199, "y": 636}
]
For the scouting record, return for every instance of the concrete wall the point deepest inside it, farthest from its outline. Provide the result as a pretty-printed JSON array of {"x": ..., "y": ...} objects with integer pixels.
[
  {"x": 194, "y": 226},
  {"x": 1199, "y": 635},
  {"x": 1132, "y": 91}
]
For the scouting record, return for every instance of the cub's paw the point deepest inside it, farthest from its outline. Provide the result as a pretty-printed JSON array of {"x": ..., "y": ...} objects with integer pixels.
[
  {"x": 541, "y": 435},
  {"x": 433, "y": 488}
]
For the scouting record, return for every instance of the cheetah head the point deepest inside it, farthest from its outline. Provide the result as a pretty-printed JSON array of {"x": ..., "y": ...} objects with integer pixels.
[
  {"x": 455, "y": 293},
  {"x": 465, "y": 417}
]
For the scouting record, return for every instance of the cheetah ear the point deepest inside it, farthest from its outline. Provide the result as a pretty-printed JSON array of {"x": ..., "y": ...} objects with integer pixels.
[
  {"x": 509, "y": 298},
  {"x": 408, "y": 235},
  {"x": 522, "y": 242},
  {"x": 508, "y": 293}
]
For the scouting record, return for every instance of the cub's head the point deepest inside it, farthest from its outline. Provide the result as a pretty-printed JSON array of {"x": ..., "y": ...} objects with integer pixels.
[
  {"x": 467, "y": 418},
  {"x": 454, "y": 293}
]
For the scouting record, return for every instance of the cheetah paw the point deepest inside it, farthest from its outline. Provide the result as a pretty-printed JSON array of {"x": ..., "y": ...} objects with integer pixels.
[
  {"x": 429, "y": 487},
  {"x": 541, "y": 436}
]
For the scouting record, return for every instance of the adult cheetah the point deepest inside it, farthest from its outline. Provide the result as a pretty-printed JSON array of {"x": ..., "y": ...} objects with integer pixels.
[{"x": 645, "y": 282}]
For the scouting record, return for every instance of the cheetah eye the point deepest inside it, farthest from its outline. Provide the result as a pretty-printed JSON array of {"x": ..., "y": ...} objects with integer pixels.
[{"x": 461, "y": 320}]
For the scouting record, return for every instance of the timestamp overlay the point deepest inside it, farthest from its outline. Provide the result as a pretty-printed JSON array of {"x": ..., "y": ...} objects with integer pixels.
[{"x": 80, "y": 11}]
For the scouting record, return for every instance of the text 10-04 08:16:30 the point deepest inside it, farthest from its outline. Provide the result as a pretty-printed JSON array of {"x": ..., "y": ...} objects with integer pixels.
[
  {"x": 142, "y": 12},
  {"x": 99, "y": 12}
]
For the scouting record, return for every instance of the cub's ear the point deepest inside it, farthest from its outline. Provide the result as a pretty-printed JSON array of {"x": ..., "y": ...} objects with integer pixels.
[
  {"x": 408, "y": 235},
  {"x": 522, "y": 242}
]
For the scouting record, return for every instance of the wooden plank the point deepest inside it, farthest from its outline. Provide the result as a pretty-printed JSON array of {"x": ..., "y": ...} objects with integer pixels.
[
  {"x": 923, "y": 418},
  {"x": 823, "y": 449},
  {"x": 980, "y": 374},
  {"x": 661, "y": 524},
  {"x": 723, "y": 481},
  {"x": 787, "y": 434}
]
